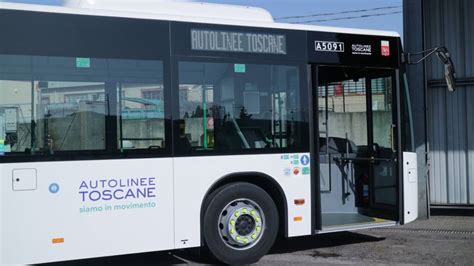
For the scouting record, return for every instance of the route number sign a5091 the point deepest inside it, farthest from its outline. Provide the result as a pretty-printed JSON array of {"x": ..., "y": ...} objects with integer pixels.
[{"x": 326, "y": 46}]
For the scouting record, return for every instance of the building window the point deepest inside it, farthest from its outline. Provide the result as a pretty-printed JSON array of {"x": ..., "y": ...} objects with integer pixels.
[{"x": 152, "y": 94}]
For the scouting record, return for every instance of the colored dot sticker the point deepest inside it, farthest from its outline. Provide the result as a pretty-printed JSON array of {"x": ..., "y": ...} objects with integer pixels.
[{"x": 54, "y": 188}]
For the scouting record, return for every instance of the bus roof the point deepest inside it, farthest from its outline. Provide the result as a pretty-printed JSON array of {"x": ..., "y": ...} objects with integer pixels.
[{"x": 183, "y": 12}]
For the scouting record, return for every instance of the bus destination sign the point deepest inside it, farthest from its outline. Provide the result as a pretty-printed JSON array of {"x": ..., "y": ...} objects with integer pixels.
[{"x": 244, "y": 42}]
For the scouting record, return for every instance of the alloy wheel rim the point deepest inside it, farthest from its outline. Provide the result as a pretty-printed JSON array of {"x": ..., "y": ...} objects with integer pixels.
[{"x": 241, "y": 224}]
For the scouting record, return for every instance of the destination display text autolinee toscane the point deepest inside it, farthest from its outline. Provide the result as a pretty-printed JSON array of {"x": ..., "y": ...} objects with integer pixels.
[{"x": 245, "y": 42}]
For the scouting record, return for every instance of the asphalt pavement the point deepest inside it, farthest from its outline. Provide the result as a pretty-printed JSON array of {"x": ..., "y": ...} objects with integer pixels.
[{"x": 438, "y": 241}]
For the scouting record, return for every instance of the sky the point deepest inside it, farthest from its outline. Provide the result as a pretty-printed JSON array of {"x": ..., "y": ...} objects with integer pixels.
[{"x": 389, "y": 16}]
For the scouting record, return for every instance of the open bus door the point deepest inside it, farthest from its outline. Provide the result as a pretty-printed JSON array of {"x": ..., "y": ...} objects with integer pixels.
[{"x": 356, "y": 139}]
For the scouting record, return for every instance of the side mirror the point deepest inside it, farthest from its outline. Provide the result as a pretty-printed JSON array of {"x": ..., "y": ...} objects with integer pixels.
[
  {"x": 443, "y": 55},
  {"x": 449, "y": 73}
]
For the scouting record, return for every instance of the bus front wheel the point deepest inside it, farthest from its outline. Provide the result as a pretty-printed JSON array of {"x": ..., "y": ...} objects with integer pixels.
[{"x": 240, "y": 223}]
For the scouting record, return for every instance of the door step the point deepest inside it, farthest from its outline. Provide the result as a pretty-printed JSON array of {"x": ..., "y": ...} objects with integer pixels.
[{"x": 352, "y": 227}]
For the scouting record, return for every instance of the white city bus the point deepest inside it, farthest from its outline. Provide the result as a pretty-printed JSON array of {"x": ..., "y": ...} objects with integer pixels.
[{"x": 129, "y": 127}]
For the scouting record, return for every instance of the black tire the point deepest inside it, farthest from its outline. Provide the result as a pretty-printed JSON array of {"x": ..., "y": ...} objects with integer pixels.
[{"x": 217, "y": 201}]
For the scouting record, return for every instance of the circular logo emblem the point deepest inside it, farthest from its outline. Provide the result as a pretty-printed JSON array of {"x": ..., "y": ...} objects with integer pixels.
[
  {"x": 54, "y": 188},
  {"x": 304, "y": 160}
]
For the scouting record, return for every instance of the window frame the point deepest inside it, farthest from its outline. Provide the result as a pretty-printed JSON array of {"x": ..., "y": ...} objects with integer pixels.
[
  {"x": 233, "y": 59},
  {"x": 111, "y": 130},
  {"x": 368, "y": 96}
]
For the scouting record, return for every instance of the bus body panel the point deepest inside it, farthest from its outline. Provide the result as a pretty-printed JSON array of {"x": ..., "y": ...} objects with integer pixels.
[
  {"x": 195, "y": 175},
  {"x": 410, "y": 187},
  {"x": 64, "y": 210},
  {"x": 64, "y": 214}
]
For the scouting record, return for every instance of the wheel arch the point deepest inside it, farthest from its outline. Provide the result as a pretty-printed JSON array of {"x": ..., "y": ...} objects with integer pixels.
[{"x": 265, "y": 182}]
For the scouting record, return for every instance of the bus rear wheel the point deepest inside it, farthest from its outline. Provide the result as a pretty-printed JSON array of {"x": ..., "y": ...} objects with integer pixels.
[{"x": 240, "y": 223}]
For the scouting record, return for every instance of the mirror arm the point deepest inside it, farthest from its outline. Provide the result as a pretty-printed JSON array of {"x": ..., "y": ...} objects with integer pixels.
[
  {"x": 426, "y": 53},
  {"x": 443, "y": 55}
]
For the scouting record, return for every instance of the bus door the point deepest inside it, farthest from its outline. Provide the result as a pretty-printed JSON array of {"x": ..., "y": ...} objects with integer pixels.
[
  {"x": 356, "y": 142},
  {"x": 379, "y": 193}
]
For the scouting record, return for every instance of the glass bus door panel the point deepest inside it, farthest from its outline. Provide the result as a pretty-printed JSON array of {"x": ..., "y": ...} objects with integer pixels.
[
  {"x": 343, "y": 139},
  {"x": 324, "y": 174},
  {"x": 357, "y": 166},
  {"x": 384, "y": 183},
  {"x": 383, "y": 170},
  {"x": 377, "y": 173}
]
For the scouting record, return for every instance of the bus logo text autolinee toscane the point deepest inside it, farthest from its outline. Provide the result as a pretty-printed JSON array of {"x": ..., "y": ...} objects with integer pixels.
[
  {"x": 244, "y": 42},
  {"x": 117, "y": 189}
]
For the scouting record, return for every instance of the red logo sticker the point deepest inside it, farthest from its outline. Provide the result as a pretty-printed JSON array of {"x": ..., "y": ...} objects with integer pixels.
[
  {"x": 385, "y": 48},
  {"x": 296, "y": 170}
]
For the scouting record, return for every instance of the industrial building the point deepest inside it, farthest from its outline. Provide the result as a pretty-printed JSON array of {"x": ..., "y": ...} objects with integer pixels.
[{"x": 444, "y": 124}]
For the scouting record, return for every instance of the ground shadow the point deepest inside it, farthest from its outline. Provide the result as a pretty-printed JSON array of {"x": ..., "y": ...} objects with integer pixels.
[
  {"x": 321, "y": 241},
  {"x": 151, "y": 258},
  {"x": 290, "y": 245},
  {"x": 201, "y": 256}
]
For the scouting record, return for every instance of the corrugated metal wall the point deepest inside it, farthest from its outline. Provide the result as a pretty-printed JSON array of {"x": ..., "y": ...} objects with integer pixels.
[{"x": 451, "y": 115}]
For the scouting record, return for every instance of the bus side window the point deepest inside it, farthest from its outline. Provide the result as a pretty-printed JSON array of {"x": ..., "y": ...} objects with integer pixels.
[
  {"x": 141, "y": 118},
  {"x": 61, "y": 104},
  {"x": 226, "y": 106}
]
